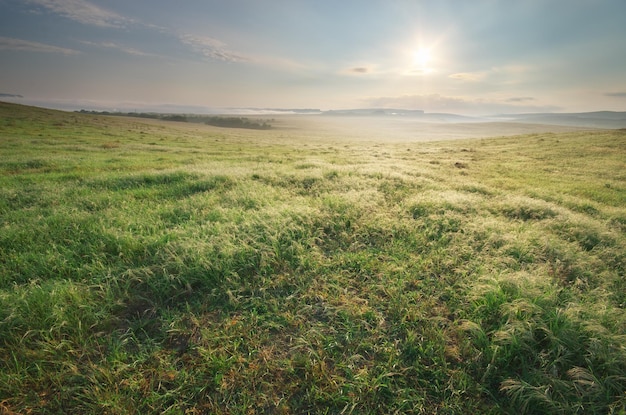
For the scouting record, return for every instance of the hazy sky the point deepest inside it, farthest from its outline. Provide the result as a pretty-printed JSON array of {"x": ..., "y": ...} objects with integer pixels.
[{"x": 461, "y": 56}]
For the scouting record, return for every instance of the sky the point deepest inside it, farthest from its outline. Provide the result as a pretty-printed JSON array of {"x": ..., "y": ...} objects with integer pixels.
[{"x": 466, "y": 57}]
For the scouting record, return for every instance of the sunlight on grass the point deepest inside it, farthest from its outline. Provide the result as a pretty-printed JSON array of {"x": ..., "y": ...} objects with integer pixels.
[{"x": 151, "y": 267}]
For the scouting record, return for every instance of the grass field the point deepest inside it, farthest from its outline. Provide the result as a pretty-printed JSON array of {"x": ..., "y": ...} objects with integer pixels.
[{"x": 150, "y": 267}]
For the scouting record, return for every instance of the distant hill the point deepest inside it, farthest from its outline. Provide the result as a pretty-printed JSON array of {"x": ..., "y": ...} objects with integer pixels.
[
  {"x": 596, "y": 119},
  {"x": 4, "y": 95}
]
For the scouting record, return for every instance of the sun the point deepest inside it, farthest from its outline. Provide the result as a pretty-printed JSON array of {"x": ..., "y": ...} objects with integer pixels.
[
  {"x": 422, "y": 58},
  {"x": 421, "y": 61}
]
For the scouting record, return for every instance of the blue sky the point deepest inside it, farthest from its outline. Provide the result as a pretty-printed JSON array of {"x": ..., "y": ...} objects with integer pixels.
[{"x": 468, "y": 57}]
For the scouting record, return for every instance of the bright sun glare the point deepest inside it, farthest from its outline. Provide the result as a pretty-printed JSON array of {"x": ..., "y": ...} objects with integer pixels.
[
  {"x": 421, "y": 61},
  {"x": 422, "y": 57}
]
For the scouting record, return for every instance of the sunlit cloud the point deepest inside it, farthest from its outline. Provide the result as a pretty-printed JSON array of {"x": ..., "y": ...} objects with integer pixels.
[
  {"x": 419, "y": 71},
  {"x": 508, "y": 74},
  {"x": 212, "y": 48},
  {"x": 9, "y": 43},
  {"x": 468, "y": 76},
  {"x": 83, "y": 12}
]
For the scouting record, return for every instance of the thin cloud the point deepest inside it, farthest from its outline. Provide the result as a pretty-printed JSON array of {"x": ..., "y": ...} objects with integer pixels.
[
  {"x": 83, "y": 12},
  {"x": 5, "y": 95},
  {"x": 212, "y": 48},
  {"x": 367, "y": 70},
  {"x": 520, "y": 99},
  {"x": 9, "y": 43},
  {"x": 359, "y": 70},
  {"x": 469, "y": 76},
  {"x": 419, "y": 71},
  {"x": 506, "y": 74},
  {"x": 215, "y": 49},
  {"x": 616, "y": 94},
  {"x": 121, "y": 48}
]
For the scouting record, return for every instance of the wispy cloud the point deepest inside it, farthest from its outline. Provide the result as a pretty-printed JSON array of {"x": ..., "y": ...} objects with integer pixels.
[
  {"x": 520, "y": 99},
  {"x": 469, "y": 76},
  {"x": 616, "y": 94},
  {"x": 121, "y": 48},
  {"x": 83, "y": 12},
  {"x": 212, "y": 48},
  {"x": 506, "y": 74},
  {"x": 418, "y": 71},
  {"x": 9, "y": 43},
  {"x": 359, "y": 70}
]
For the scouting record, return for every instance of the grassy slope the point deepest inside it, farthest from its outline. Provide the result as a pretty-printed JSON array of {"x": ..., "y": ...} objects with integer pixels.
[{"x": 165, "y": 268}]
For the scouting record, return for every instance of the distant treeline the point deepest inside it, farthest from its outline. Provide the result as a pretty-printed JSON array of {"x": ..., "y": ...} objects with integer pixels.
[
  {"x": 239, "y": 122},
  {"x": 218, "y": 121},
  {"x": 152, "y": 115}
]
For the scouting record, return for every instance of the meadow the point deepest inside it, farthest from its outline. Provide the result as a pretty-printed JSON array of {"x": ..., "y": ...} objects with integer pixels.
[{"x": 151, "y": 267}]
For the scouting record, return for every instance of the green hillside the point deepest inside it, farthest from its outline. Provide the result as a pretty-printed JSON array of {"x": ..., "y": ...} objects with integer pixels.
[{"x": 149, "y": 267}]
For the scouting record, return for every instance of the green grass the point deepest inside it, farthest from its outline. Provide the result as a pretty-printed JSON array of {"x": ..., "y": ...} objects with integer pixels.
[{"x": 152, "y": 267}]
